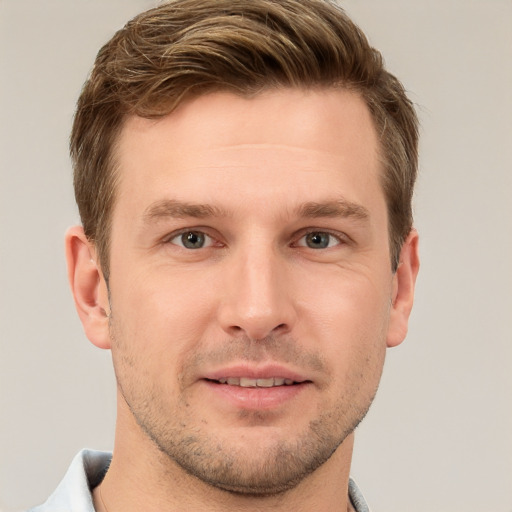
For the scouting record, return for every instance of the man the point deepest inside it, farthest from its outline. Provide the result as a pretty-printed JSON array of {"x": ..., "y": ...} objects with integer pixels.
[{"x": 244, "y": 174}]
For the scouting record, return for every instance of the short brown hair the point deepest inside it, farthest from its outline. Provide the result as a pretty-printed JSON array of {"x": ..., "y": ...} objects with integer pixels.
[{"x": 186, "y": 48}]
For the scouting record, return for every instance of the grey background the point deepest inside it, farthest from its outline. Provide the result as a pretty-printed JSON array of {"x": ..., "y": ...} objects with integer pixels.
[{"x": 439, "y": 436}]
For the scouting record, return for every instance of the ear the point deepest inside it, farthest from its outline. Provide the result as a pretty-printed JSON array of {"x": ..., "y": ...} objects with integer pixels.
[
  {"x": 88, "y": 287},
  {"x": 403, "y": 290}
]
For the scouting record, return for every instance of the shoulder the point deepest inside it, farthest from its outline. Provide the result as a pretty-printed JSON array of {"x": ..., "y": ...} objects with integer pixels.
[{"x": 74, "y": 491}]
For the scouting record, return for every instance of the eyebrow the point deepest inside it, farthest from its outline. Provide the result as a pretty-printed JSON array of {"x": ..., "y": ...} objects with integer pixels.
[
  {"x": 178, "y": 209},
  {"x": 338, "y": 208}
]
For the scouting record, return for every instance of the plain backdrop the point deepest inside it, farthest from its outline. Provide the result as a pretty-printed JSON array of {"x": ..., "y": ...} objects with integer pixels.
[{"x": 439, "y": 436}]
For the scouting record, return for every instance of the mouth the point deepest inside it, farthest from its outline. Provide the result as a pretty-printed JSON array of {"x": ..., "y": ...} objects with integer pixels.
[
  {"x": 246, "y": 382},
  {"x": 246, "y": 387}
]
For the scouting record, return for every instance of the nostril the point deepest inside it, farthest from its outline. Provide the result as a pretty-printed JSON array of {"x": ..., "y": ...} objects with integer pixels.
[{"x": 281, "y": 328}]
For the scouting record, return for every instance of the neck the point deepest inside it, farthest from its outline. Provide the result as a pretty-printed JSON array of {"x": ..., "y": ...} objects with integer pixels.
[{"x": 141, "y": 477}]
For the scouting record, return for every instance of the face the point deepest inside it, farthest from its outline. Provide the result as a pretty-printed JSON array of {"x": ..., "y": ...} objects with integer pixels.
[{"x": 251, "y": 282}]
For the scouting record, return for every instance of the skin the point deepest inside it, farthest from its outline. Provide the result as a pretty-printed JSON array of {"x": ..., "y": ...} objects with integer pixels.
[{"x": 294, "y": 278}]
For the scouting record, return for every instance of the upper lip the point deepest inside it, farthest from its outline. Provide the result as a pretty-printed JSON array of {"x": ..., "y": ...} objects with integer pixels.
[{"x": 267, "y": 371}]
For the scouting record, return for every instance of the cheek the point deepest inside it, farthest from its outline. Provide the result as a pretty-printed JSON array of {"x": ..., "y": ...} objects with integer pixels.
[
  {"x": 158, "y": 320},
  {"x": 346, "y": 302},
  {"x": 349, "y": 321},
  {"x": 163, "y": 298}
]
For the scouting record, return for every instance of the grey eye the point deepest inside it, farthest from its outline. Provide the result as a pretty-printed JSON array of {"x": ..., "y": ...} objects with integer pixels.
[
  {"x": 319, "y": 240},
  {"x": 192, "y": 240}
]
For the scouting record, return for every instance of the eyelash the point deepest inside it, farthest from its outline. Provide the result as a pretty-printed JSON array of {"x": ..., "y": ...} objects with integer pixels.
[
  {"x": 178, "y": 235},
  {"x": 341, "y": 239}
]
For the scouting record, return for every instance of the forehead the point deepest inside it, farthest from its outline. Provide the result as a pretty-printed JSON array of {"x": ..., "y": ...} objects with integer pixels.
[
  {"x": 278, "y": 142},
  {"x": 313, "y": 117}
]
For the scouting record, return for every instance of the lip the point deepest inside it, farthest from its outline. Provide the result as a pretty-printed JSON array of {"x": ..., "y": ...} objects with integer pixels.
[
  {"x": 252, "y": 372},
  {"x": 255, "y": 398}
]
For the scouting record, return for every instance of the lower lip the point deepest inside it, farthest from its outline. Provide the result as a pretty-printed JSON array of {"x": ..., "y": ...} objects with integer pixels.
[{"x": 256, "y": 398}]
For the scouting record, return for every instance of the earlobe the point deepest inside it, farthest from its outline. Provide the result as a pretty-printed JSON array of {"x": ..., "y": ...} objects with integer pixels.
[
  {"x": 403, "y": 290},
  {"x": 88, "y": 287}
]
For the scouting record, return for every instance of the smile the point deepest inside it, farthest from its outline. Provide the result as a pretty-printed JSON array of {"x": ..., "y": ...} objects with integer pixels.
[
  {"x": 246, "y": 382},
  {"x": 262, "y": 389}
]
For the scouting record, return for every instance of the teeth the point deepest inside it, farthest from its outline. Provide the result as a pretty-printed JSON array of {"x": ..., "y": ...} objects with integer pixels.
[{"x": 246, "y": 382}]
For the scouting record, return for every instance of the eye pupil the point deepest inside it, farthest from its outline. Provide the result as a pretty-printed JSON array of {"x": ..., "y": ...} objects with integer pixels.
[
  {"x": 192, "y": 240},
  {"x": 317, "y": 240}
]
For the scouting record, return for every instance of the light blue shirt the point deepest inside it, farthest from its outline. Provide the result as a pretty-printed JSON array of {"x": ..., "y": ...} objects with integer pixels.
[
  {"x": 87, "y": 471},
  {"x": 73, "y": 494}
]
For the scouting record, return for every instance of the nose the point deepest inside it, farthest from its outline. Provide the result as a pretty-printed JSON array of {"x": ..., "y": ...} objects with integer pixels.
[{"x": 258, "y": 299}]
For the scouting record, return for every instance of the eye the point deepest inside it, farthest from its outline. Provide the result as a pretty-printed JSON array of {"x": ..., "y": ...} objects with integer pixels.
[
  {"x": 319, "y": 240},
  {"x": 192, "y": 240}
]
